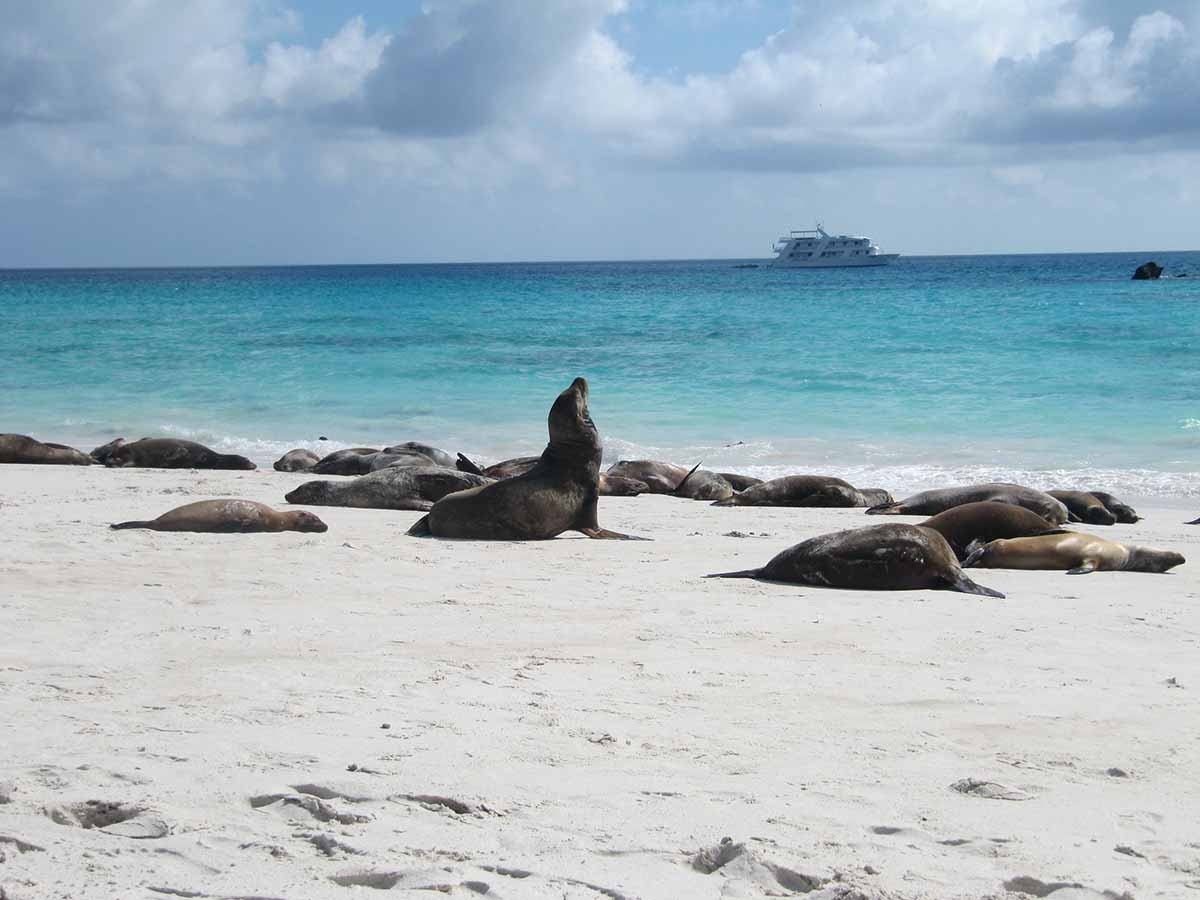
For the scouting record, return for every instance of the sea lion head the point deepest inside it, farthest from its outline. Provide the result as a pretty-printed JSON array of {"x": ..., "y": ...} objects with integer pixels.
[
  {"x": 876, "y": 496},
  {"x": 1147, "y": 559},
  {"x": 312, "y": 492},
  {"x": 571, "y": 427},
  {"x": 306, "y": 521}
]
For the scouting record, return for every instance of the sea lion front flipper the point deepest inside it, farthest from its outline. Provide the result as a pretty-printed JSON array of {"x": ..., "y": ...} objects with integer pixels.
[
  {"x": 884, "y": 509},
  {"x": 603, "y": 534},
  {"x": 1085, "y": 569},
  {"x": 1193, "y": 522},
  {"x": 965, "y": 585},
  {"x": 744, "y": 573},
  {"x": 421, "y": 528},
  {"x": 464, "y": 464},
  {"x": 117, "y": 526}
]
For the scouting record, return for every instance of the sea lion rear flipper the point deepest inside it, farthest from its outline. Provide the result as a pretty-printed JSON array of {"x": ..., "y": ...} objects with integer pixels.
[
  {"x": 728, "y": 501},
  {"x": 421, "y": 528},
  {"x": 603, "y": 534},
  {"x": 117, "y": 526},
  {"x": 884, "y": 509},
  {"x": 965, "y": 585},
  {"x": 744, "y": 573},
  {"x": 466, "y": 465},
  {"x": 975, "y": 552},
  {"x": 1085, "y": 569}
]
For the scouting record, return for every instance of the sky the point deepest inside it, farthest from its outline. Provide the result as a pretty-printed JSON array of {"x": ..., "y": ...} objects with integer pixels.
[{"x": 241, "y": 132}]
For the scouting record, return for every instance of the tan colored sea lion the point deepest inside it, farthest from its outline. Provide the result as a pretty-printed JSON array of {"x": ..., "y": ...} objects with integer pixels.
[
  {"x": 229, "y": 517},
  {"x": 889, "y": 557},
  {"x": 986, "y": 520},
  {"x": 558, "y": 494},
  {"x": 1075, "y": 552},
  {"x": 20, "y": 448},
  {"x": 298, "y": 460},
  {"x": 1084, "y": 507},
  {"x": 930, "y": 503}
]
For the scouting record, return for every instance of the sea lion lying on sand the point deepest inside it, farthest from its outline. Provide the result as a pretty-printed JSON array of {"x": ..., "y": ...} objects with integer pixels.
[
  {"x": 659, "y": 477},
  {"x": 740, "y": 482},
  {"x": 930, "y": 503},
  {"x": 20, "y": 448},
  {"x": 1125, "y": 513},
  {"x": 560, "y": 493},
  {"x": 400, "y": 487},
  {"x": 229, "y": 517},
  {"x": 807, "y": 491},
  {"x": 986, "y": 520},
  {"x": 1084, "y": 507},
  {"x": 351, "y": 461},
  {"x": 438, "y": 456},
  {"x": 169, "y": 453},
  {"x": 700, "y": 484},
  {"x": 889, "y": 557},
  {"x": 610, "y": 485},
  {"x": 298, "y": 460},
  {"x": 1077, "y": 553}
]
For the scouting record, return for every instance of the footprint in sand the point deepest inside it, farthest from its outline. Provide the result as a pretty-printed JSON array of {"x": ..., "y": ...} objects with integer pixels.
[{"x": 123, "y": 819}]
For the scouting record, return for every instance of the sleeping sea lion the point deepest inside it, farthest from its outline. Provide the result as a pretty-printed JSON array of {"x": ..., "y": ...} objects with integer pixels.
[
  {"x": 616, "y": 486},
  {"x": 437, "y": 456},
  {"x": 298, "y": 460},
  {"x": 558, "y": 494},
  {"x": 876, "y": 558},
  {"x": 20, "y": 448},
  {"x": 1084, "y": 507},
  {"x": 660, "y": 477},
  {"x": 700, "y": 484},
  {"x": 1125, "y": 513},
  {"x": 985, "y": 521},
  {"x": 1075, "y": 552},
  {"x": 740, "y": 482},
  {"x": 610, "y": 485},
  {"x": 345, "y": 462},
  {"x": 400, "y": 487},
  {"x": 229, "y": 517},
  {"x": 171, "y": 453},
  {"x": 930, "y": 503},
  {"x": 807, "y": 491}
]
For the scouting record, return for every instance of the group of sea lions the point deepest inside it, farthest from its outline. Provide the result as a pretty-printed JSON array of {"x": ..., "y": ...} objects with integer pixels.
[{"x": 534, "y": 498}]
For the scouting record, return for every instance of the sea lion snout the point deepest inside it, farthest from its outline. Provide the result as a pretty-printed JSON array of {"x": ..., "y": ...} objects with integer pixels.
[
  {"x": 306, "y": 521},
  {"x": 1146, "y": 559},
  {"x": 569, "y": 420}
]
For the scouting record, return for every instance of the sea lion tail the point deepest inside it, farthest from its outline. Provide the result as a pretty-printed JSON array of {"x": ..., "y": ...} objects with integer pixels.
[
  {"x": 965, "y": 585},
  {"x": 421, "y": 528},
  {"x": 117, "y": 526},
  {"x": 744, "y": 573},
  {"x": 464, "y": 464},
  {"x": 679, "y": 487}
]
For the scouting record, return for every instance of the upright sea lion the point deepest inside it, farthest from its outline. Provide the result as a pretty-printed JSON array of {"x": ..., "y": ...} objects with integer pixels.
[
  {"x": 1084, "y": 507},
  {"x": 1125, "y": 513},
  {"x": 298, "y": 460},
  {"x": 807, "y": 491},
  {"x": 930, "y": 503},
  {"x": 20, "y": 448},
  {"x": 876, "y": 558},
  {"x": 985, "y": 521},
  {"x": 403, "y": 487},
  {"x": 345, "y": 462},
  {"x": 438, "y": 457},
  {"x": 229, "y": 517},
  {"x": 660, "y": 477},
  {"x": 1075, "y": 552},
  {"x": 610, "y": 485},
  {"x": 172, "y": 453},
  {"x": 740, "y": 482},
  {"x": 559, "y": 494}
]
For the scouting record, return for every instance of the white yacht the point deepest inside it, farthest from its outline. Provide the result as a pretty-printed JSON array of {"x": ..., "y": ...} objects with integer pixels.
[{"x": 816, "y": 249}]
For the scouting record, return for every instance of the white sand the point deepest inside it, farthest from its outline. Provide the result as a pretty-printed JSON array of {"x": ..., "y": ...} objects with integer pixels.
[{"x": 600, "y": 710}]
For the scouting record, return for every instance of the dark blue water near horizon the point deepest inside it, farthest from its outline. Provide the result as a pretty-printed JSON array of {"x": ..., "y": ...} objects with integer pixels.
[{"x": 1039, "y": 367}]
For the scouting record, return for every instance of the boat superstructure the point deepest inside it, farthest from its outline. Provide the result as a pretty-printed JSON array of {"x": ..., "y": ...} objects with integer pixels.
[{"x": 817, "y": 249}]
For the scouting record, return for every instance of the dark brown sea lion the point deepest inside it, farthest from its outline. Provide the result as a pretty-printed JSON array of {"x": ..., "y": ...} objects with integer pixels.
[
  {"x": 230, "y": 517},
  {"x": 806, "y": 491},
  {"x": 610, "y": 485},
  {"x": 1075, "y": 552},
  {"x": 740, "y": 482},
  {"x": 351, "y": 461},
  {"x": 616, "y": 486},
  {"x": 171, "y": 453},
  {"x": 876, "y": 558},
  {"x": 660, "y": 477},
  {"x": 559, "y": 494},
  {"x": 20, "y": 448},
  {"x": 986, "y": 520},
  {"x": 437, "y": 456},
  {"x": 298, "y": 460},
  {"x": 1125, "y": 513},
  {"x": 1084, "y": 507},
  {"x": 401, "y": 487},
  {"x": 930, "y": 503}
]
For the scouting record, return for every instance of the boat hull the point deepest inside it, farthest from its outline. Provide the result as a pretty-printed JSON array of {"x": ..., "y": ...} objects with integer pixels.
[{"x": 879, "y": 259}]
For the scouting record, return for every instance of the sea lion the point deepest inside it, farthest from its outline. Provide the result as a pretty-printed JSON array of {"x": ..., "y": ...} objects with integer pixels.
[
  {"x": 740, "y": 482},
  {"x": 986, "y": 520},
  {"x": 20, "y": 448},
  {"x": 930, "y": 503},
  {"x": 171, "y": 453},
  {"x": 700, "y": 484},
  {"x": 436, "y": 456},
  {"x": 1193, "y": 522},
  {"x": 616, "y": 486},
  {"x": 558, "y": 494},
  {"x": 1084, "y": 507},
  {"x": 610, "y": 485},
  {"x": 1125, "y": 513},
  {"x": 890, "y": 557},
  {"x": 345, "y": 462},
  {"x": 400, "y": 487},
  {"x": 1076, "y": 552},
  {"x": 298, "y": 460},
  {"x": 660, "y": 477},
  {"x": 229, "y": 517},
  {"x": 808, "y": 491}
]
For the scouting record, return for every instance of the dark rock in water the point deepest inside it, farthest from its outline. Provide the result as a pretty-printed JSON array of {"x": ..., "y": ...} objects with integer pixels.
[{"x": 1147, "y": 271}]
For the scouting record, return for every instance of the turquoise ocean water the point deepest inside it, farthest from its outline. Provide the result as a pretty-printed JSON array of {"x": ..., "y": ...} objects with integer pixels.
[{"x": 1051, "y": 369}]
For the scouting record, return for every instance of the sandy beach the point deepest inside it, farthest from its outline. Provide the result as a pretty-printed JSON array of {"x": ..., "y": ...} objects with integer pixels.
[{"x": 328, "y": 716}]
